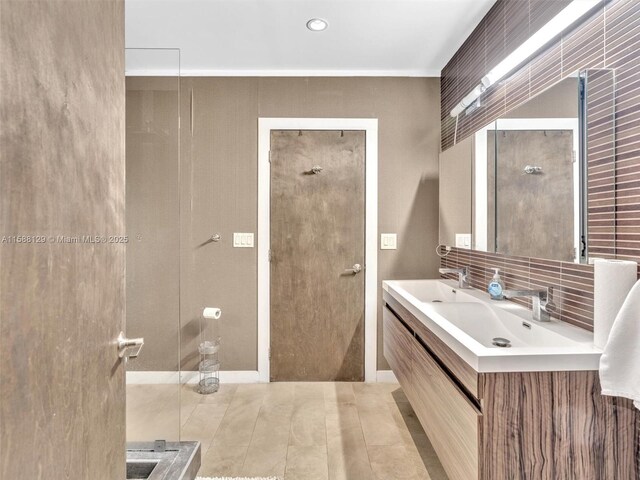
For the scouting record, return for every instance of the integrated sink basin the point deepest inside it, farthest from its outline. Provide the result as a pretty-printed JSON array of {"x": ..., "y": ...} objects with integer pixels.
[
  {"x": 484, "y": 324},
  {"x": 433, "y": 291},
  {"x": 493, "y": 336}
]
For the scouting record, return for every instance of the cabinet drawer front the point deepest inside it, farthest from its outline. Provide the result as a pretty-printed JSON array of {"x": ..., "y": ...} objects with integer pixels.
[
  {"x": 397, "y": 348},
  {"x": 448, "y": 417}
]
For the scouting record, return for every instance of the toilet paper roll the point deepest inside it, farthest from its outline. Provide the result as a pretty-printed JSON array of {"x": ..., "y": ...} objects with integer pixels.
[
  {"x": 612, "y": 281},
  {"x": 212, "y": 312}
]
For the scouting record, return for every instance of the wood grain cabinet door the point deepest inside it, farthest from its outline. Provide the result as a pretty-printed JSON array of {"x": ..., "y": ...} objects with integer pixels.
[
  {"x": 317, "y": 235},
  {"x": 448, "y": 417},
  {"x": 397, "y": 349}
]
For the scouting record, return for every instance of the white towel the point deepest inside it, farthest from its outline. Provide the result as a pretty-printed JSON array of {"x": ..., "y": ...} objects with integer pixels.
[{"x": 620, "y": 362}]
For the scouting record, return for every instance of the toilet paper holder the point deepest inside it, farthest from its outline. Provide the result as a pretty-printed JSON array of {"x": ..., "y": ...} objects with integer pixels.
[
  {"x": 212, "y": 313},
  {"x": 209, "y": 366}
]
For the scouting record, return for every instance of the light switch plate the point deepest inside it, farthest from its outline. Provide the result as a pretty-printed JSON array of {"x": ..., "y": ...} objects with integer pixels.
[
  {"x": 242, "y": 240},
  {"x": 463, "y": 240},
  {"x": 388, "y": 241}
]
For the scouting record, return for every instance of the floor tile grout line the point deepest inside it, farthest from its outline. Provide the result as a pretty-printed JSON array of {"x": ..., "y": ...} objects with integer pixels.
[
  {"x": 326, "y": 434},
  {"x": 286, "y": 456},
  {"x": 364, "y": 439},
  {"x": 223, "y": 416},
  {"x": 253, "y": 431}
]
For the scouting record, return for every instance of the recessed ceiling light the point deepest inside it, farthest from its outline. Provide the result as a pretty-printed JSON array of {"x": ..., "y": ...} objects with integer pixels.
[{"x": 317, "y": 24}]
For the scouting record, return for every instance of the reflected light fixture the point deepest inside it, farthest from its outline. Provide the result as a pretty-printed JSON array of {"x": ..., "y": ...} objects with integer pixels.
[
  {"x": 317, "y": 24},
  {"x": 567, "y": 17}
]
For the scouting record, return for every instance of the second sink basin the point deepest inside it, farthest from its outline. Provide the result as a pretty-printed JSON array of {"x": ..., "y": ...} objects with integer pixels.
[{"x": 485, "y": 324}]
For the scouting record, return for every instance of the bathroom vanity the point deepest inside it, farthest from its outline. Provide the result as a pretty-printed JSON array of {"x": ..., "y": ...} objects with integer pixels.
[{"x": 531, "y": 410}]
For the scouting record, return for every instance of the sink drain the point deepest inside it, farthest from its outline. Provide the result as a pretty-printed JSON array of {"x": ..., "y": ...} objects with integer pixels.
[
  {"x": 501, "y": 342},
  {"x": 436, "y": 301}
]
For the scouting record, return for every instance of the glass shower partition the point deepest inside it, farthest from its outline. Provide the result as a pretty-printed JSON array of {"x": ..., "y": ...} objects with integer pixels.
[{"x": 153, "y": 250}]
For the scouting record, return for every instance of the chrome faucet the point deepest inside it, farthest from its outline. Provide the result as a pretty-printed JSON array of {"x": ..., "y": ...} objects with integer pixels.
[
  {"x": 542, "y": 301},
  {"x": 463, "y": 275}
]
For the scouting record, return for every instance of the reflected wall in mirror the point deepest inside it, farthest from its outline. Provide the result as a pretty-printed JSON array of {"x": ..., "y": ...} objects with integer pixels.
[{"x": 518, "y": 186}]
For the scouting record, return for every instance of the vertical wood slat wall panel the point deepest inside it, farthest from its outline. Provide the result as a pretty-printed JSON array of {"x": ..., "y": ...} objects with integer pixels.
[{"x": 608, "y": 38}]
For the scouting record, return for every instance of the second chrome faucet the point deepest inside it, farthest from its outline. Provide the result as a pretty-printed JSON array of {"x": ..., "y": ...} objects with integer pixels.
[{"x": 541, "y": 301}]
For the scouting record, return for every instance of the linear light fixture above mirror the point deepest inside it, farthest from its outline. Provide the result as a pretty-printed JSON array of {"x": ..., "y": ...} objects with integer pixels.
[{"x": 563, "y": 20}]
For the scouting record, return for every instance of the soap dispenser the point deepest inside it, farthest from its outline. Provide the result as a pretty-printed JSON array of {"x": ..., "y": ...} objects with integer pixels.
[{"x": 496, "y": 286}]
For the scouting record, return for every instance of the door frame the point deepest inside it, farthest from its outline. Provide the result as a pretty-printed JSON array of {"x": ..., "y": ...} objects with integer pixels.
[{"x": 370, "y": 127}]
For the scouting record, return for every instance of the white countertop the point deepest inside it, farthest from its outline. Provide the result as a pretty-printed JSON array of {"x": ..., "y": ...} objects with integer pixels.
[{"x": 467, "y": 320}]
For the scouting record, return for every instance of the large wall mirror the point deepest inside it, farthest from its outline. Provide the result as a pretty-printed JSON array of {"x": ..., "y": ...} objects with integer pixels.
[{"x": 518, "y": 186}]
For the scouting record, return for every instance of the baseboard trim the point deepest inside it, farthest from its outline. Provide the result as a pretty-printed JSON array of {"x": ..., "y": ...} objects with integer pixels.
[
  {"x": 386, "y": 376},
  {"x": 164, "y": 377},
  {"x": 237, "y": 376}
]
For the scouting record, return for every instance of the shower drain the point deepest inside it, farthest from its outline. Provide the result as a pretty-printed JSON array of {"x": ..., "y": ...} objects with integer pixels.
[{"x": 501, "y": 342}]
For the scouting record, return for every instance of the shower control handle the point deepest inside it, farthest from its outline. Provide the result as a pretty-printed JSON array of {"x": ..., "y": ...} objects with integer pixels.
[
  {"x": 357, "y": 268},
  {"x": 129, "y": 347}
]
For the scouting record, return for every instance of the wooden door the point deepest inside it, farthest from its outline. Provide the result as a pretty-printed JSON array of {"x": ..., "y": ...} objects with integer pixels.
[{"x": 317, "y": 234}]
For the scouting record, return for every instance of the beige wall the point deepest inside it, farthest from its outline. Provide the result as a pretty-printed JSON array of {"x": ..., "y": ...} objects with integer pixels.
[
  {"x": 62, "y": 396},
  {"x": 219, "y": 187}
]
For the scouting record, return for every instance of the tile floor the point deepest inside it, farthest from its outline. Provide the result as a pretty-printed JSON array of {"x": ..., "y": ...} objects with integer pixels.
[{"x": 295, "y": 431}]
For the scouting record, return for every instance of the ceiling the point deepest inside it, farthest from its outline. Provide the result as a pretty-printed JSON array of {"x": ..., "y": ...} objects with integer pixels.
[{"x": 269, "y": 37}]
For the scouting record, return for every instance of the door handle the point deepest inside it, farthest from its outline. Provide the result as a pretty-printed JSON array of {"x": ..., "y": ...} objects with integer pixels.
[
  {"x": 356, "y": 269},
  {"x": 129, "y": 347}
]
